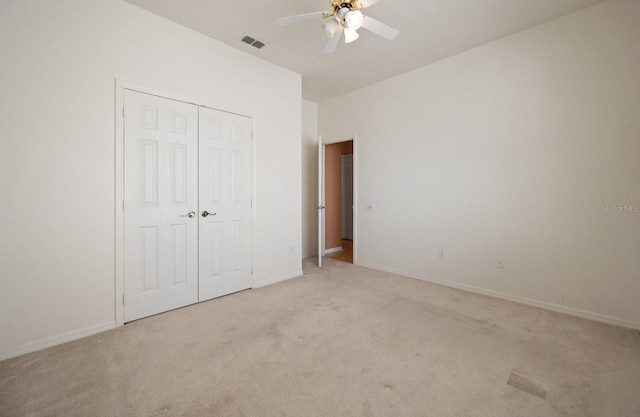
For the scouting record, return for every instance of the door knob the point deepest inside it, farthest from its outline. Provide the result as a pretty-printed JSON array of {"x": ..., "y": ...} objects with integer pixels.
[
  {"x": 206, "y": 213},
  {"x": 190, "y": 214}
]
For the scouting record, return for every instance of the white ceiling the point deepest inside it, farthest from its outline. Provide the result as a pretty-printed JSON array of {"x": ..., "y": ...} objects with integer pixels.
[{"x": 430, "y": 30}]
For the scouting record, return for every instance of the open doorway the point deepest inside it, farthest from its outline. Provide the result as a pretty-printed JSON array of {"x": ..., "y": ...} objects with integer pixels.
[{"x": 338, "y": 165}]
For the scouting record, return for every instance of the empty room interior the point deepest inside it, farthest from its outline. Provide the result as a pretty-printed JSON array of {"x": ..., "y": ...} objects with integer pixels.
[{"x": 320, "y": 208}]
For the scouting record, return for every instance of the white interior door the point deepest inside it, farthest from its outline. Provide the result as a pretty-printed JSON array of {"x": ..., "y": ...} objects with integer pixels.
[
  {"x": 320, "y": 207},
  {"x": 225, "y": 203},
  {"x": 347, "y": 197},
  {"x": 160, "y": 203}
]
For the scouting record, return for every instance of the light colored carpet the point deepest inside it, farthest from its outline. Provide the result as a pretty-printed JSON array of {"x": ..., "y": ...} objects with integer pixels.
[{"x": 344, "y": 341}]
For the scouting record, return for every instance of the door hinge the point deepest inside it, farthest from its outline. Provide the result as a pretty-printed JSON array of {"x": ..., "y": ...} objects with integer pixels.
[
  {"x": 123, "y": 111},
  {"x": 122, "y": 299},
  {"x": 122, "y": 205}
]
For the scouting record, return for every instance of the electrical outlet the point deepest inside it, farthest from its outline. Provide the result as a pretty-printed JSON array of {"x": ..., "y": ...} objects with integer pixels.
[
  {"x": 500, "y": 262},
  {"x": 441, "y": 253},
  {"x": 291, "y": 250}
]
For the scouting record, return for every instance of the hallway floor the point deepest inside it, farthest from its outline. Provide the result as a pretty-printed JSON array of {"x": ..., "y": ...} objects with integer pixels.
[{"x": 346, "y": 255}]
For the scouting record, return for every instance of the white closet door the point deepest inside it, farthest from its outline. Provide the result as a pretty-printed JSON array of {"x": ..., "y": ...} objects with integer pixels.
[
  {"x": 161, "y": 236},
  {"x": 225, "y": 203}
]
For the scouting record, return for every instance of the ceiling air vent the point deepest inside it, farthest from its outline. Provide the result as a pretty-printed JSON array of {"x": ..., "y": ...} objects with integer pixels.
[{"x": 251, "y": 40}]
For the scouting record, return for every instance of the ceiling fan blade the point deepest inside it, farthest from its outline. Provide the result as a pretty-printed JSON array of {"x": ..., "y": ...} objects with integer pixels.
[
  {"x": 367, "y": 3},
  {"x": 289, "y": 20},
  {"x": 332, "y": 44},
  {"x": 379, "y": 28}
]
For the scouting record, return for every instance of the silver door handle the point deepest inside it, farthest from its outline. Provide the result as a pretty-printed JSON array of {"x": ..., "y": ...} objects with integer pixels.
[
  {"x": 190, "y": 214},
  {"x": 206, "y": 213}
]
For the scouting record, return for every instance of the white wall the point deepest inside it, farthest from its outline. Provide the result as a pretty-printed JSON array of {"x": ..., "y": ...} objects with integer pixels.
[
  {"x": 513, "y": 149},
  {"x": 57, "y": 164},
  {"x": 309, "y": 179}
]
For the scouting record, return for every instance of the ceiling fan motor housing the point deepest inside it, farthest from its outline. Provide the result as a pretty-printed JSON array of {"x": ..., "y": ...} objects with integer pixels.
[{"x": 336, "y": 5}]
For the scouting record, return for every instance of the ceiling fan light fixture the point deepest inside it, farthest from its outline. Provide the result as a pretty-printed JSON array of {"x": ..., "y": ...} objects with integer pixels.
[
  {"x": 353, "y": 20},
  {"x": 344, "y": 16},
  {"x": 350, "y": 35},
  {"x": 342, "y": 13}
]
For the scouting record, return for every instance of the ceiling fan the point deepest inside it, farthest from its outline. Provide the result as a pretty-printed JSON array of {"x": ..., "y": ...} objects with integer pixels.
[{"x": 345, "y": 17}]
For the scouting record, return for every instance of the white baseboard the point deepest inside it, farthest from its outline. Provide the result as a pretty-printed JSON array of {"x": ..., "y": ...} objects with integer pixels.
[
  {"x": 333, "y": 250},
  {"x": 275, "y": 280},
  {"x": 56, "y": 340},
  {"x": 603, "y": 318},
  {"x": 78, "y": 334}
]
